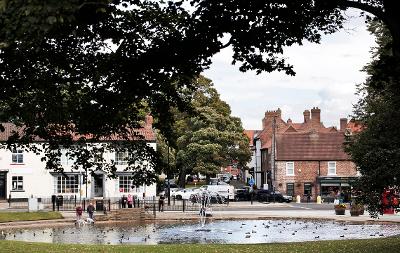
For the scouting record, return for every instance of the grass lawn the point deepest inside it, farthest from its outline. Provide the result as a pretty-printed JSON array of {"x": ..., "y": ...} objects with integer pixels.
[
  {"x": 384, "y": 245},
  {"x": 26, "y": 216}
]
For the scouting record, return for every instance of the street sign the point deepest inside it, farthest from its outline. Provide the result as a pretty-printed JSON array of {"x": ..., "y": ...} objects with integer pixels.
[{"x": 251, "y": 182}]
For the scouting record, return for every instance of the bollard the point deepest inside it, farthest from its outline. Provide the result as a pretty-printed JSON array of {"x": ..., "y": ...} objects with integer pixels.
[
  {"x": 298, "y": 199},
  {"x": 183, "y": 205},
  {"x": 319, "y": 200}
]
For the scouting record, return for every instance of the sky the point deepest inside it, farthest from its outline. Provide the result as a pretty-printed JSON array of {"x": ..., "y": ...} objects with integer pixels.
[{"x": 326, "y": 77}]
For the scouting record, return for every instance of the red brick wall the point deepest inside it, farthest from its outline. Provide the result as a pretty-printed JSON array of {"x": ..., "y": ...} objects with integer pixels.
[
  {"x": 307, "y": 172},
  {"x": 343, "y": 168}
]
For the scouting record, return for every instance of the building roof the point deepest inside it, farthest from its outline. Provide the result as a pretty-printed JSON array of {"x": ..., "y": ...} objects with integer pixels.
[
  {"x": 250, "y": 135},
  {"x": 312, "y": 146},
  {"x": 355, "y": 126},
  {"x": 146, "y": 132}
]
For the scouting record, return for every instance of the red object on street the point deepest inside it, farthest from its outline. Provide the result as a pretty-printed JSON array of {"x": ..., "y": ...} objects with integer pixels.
[{"x": 387, "y": 201}]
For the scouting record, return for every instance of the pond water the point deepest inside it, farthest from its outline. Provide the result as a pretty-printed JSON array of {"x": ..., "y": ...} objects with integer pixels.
[{"x": 223, "y": 232}]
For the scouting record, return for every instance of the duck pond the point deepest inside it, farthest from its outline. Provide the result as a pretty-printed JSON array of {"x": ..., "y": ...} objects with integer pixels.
[{"x": 217, "y": 231}]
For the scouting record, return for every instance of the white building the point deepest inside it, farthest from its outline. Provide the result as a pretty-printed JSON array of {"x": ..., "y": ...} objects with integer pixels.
[{"x": 23, "y": 174}]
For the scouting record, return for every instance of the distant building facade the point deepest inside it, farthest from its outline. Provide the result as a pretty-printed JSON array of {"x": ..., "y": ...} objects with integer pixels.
[
  {"x": 313, "y": 164},
  {"x": 300, "y": 158},
  {"x": 23, "y": 174}
]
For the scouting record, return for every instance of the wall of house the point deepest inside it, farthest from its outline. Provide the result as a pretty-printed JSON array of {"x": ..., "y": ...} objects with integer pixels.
[
  {"x": 307, "y": 172},
  {"x": 39, "y": 182},
  {"x": 36, "y": 180},
  {"x": 257, "y": 170}
]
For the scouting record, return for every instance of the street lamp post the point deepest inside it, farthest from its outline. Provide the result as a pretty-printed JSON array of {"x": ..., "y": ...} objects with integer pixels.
[{"x": 168, "y": 183}]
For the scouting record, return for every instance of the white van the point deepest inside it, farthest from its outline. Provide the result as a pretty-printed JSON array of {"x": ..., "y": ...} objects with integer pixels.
[{"x": 224, "y": 190}]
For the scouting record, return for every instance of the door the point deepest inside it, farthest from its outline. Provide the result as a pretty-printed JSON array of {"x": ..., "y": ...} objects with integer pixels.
[
  {"x": 3, "y": 185},
  {"x": 98, "y": 185}
]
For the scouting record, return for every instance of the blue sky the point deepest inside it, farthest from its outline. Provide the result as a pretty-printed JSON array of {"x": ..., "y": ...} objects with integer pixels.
[{"x": 327, "y": 75}]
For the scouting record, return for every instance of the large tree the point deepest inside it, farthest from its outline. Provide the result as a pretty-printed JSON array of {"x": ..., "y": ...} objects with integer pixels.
[
  {"x": 75, "y": 72},
  {"x": 376, "y": 149},
  {"x": 209, "y": 138},
  {"x": 71, "y": 67},
  {"x": 259, "y": 30}
]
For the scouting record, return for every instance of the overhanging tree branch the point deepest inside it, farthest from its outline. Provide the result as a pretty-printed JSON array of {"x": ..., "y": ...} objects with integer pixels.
[{"x": 362, "y": 6}]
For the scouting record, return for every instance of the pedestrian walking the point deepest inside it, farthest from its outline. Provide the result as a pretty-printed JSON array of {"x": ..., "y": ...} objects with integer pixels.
[
  {"x": 130, "y": 201},
  {"x": 161, "y": 203},
  {"x": 79, "y": 212},
  {"x": 90, "y": 209}
]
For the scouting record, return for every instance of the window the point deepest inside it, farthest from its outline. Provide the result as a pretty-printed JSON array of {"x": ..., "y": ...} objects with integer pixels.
[
  {"x": 67, "y": 158},
  {"x": 17, "y": 156},
  {"x": 331, "y": 168},
  {"x": 67, "y": 184},
  {"x": 126, "y": 184},
  {"x": 17, "y": 183},
  {"x": 307, "y": 189},
  {"x": 290, "y": 169},
  {"x": 290, "y": 189},
  {"x": 121, "y": 158},
  {"x": 98, "y": 157}
]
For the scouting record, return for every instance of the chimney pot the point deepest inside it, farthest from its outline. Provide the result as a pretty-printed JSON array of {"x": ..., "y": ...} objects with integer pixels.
[
  {"x": 306, "y": 114},
  {"x": 316, "y": 115},
  {"x": 343, "y": 124}
]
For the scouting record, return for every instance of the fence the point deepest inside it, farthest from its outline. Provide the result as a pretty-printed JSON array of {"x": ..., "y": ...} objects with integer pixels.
[{"x": 64, "y": 203}]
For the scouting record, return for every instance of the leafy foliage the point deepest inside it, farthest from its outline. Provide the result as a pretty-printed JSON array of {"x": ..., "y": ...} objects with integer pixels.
[
  {"x": 91, "y": 68},
  {"x": 376, "y": 150},
  {"x": 210, "y": 138},
  {"x": 96, "y": 67}
]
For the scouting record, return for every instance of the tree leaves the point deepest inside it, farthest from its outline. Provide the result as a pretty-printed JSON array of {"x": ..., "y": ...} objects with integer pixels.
[{"x": 376, "y": 149}]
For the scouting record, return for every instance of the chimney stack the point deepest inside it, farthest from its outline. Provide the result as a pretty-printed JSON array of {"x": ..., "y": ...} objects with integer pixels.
[
  {"x": 306, "y": 114},
  {"x": 316, "y": 115},
  {"x": 270, "y": 115},
  {"x": 343, "y": 124}
]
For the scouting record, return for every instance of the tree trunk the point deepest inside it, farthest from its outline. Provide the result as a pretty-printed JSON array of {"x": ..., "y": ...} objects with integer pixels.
[{"x": 182, "y": 177}]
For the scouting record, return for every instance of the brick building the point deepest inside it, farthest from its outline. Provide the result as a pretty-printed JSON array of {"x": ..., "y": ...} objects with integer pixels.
[
  {"x": 312, "y": 133},
  {"x": 313, "y": 163}
]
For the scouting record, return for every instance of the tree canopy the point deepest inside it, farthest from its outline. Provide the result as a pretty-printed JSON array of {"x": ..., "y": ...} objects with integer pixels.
[
  {"x": 210, "y": 138},
  {"x": 92, "y": 68},
  {"x": 79, "y": 67},
  {"x": 376, "y": 150}
]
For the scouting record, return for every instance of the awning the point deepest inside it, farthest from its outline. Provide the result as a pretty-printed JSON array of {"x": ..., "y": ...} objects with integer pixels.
[
  {"x": 332, "y": 184},
  {"x": 336, "y": 181}
]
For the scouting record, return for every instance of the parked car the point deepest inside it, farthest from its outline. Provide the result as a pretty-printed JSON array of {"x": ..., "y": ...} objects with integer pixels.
[
  {"x": 267, "y": 195},
  {"x": 215, "y": 198},
  {"x": 223, "y": 189},
  {"x": 184, "y": 193},
  {"x": 243, "y": 194}
]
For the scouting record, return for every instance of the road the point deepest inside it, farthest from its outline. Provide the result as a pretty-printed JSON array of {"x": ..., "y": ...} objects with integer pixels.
[{"x": 257, "y": 206}]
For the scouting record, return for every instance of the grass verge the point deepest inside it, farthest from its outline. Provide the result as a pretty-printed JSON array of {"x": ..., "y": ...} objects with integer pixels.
[
  {"x": 383, "y": 245},
  {"x": 26, "y": 216}
]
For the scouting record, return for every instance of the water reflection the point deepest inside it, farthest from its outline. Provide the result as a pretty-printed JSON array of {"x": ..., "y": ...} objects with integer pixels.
[{"x": 239, "y": 231}]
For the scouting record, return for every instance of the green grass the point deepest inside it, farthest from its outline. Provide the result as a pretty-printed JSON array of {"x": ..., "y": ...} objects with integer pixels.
[
  {"x": 26, "y": 216},
  {"x": 384, "y": 245}
]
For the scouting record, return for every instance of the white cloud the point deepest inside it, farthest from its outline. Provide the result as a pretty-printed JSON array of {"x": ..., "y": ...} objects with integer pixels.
[{"x": 327, "y": 74}]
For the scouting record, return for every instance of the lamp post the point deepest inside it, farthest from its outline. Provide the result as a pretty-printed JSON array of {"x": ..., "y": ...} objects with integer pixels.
[{"x": 168, "y": 183}]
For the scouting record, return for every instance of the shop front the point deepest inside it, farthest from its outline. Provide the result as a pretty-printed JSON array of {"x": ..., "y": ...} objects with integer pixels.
[{"x": 332, "y": 188}]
